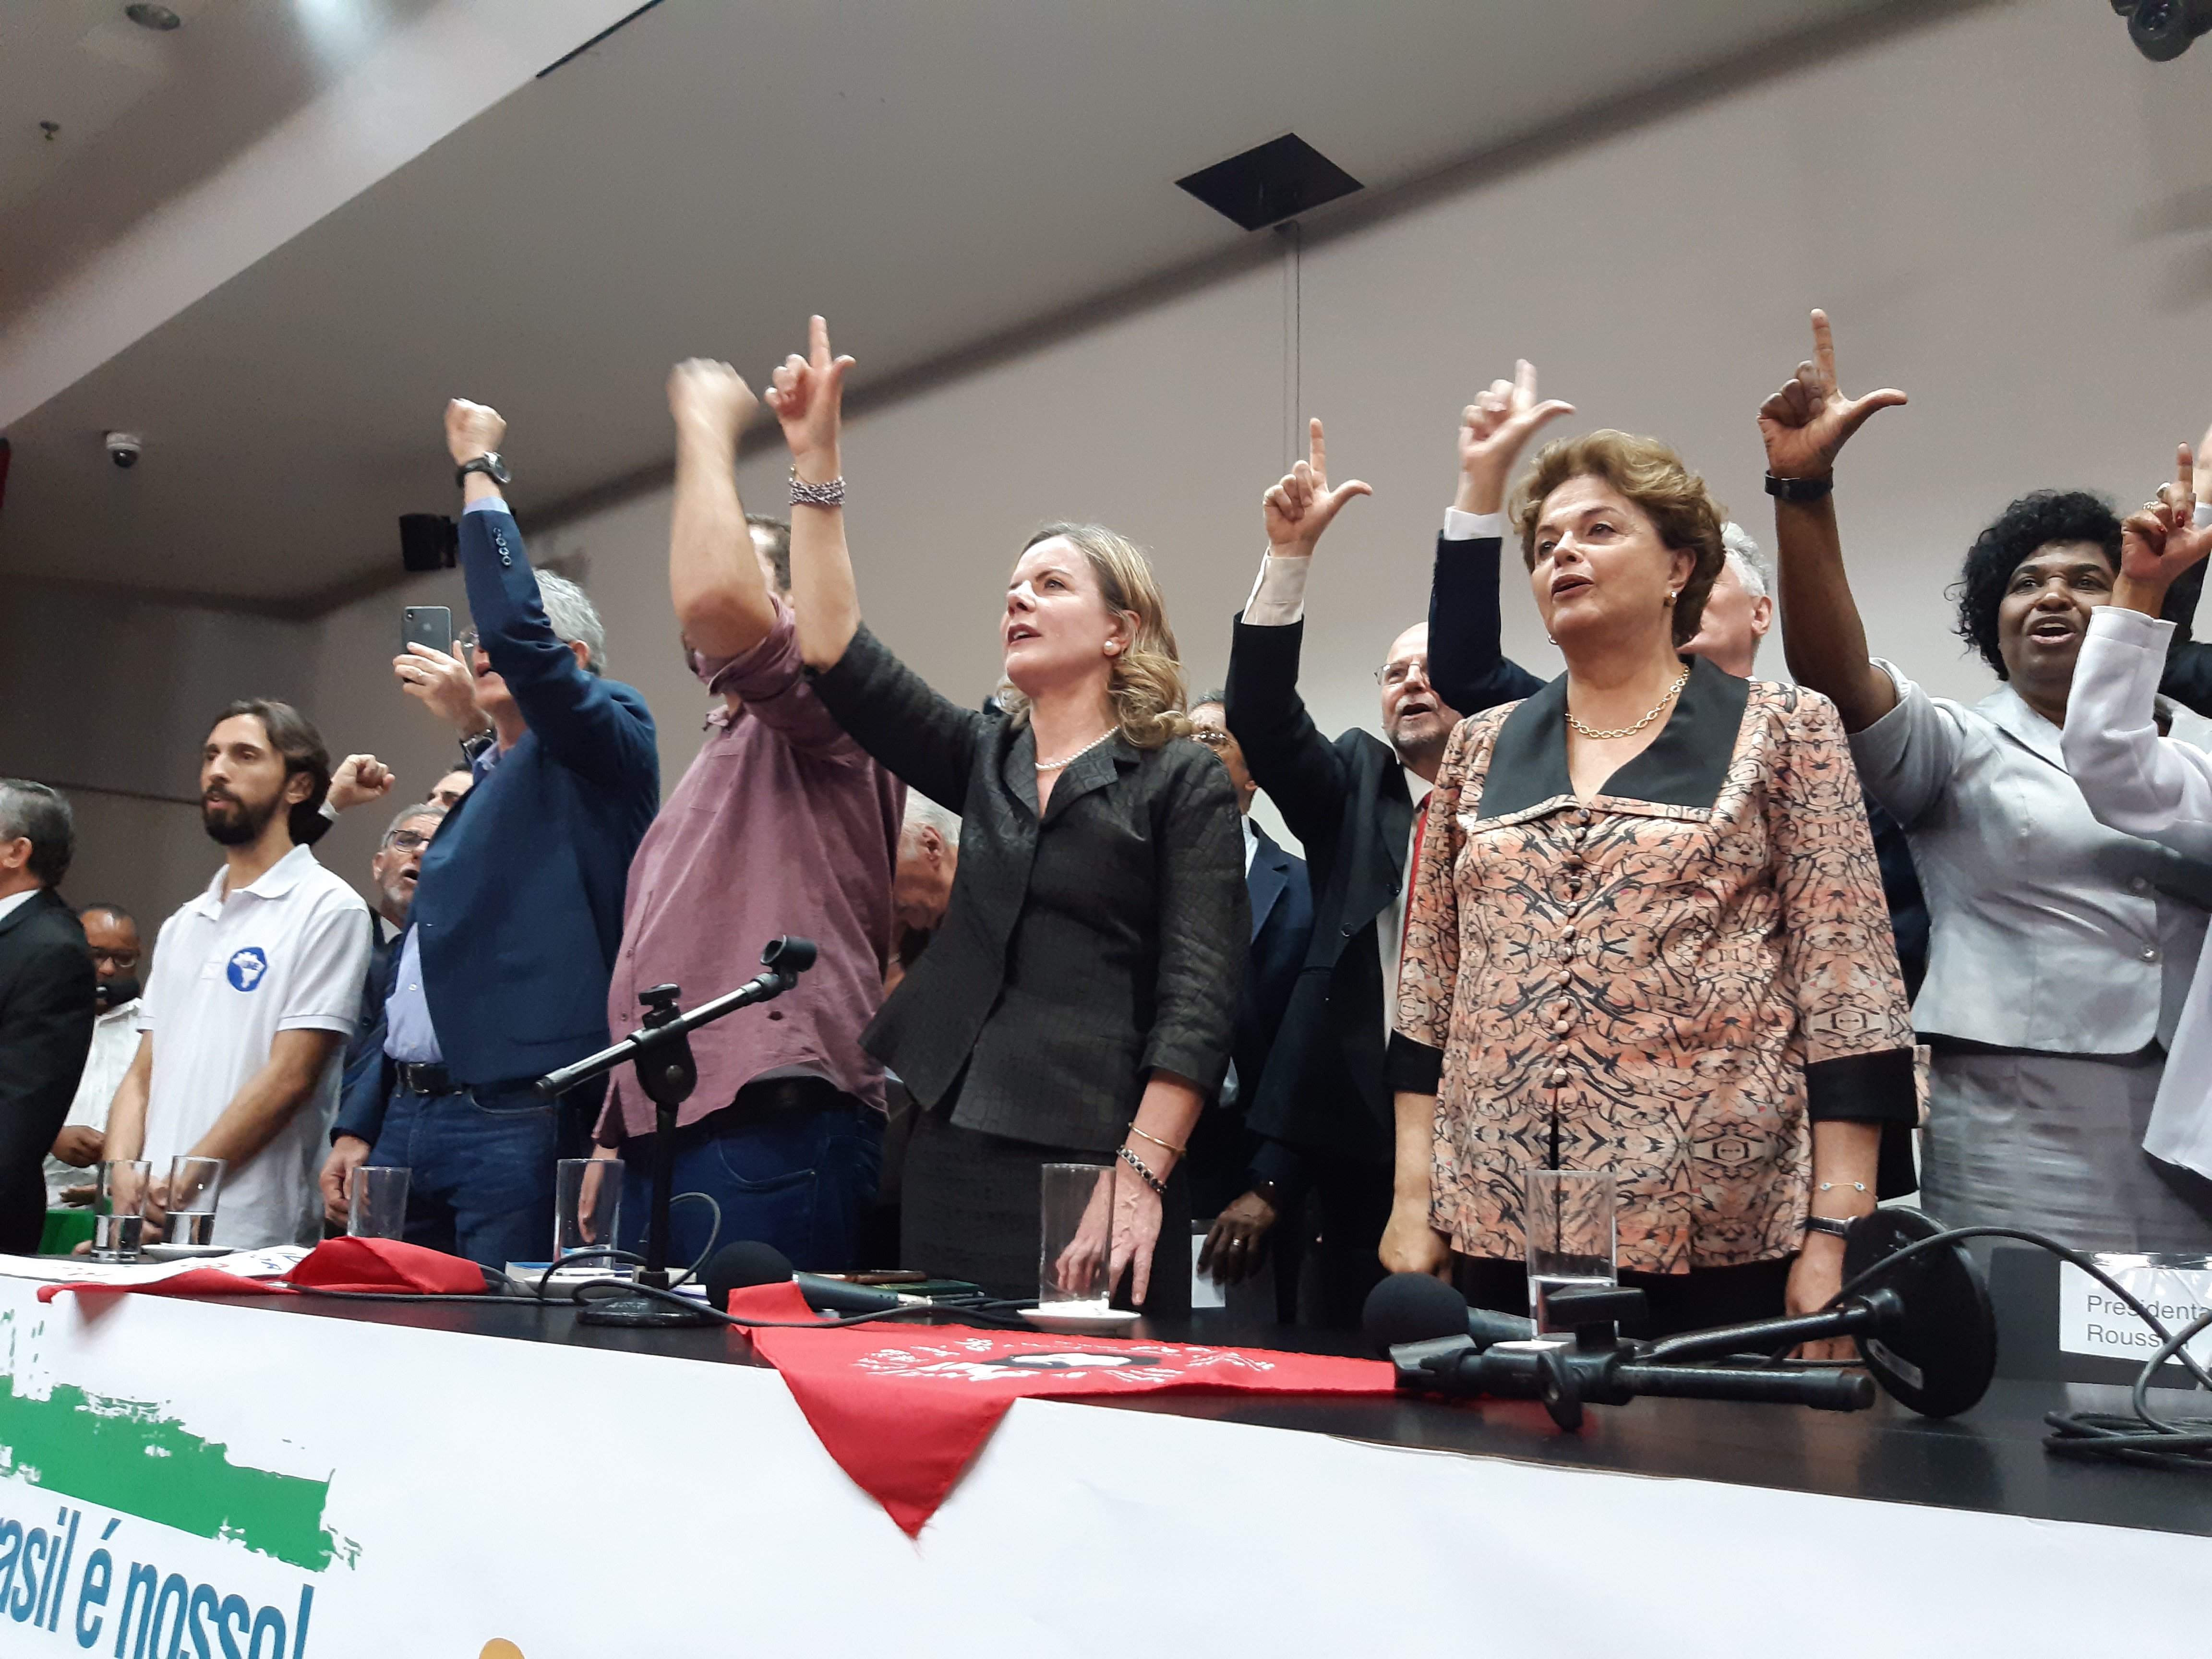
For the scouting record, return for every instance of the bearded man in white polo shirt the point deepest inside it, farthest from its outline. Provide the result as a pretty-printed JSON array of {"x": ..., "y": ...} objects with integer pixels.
[{"x": 255, "y": 987}]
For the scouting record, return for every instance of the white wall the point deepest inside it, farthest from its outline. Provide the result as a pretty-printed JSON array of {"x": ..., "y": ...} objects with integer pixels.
[{"x": 1988, "y": 209}]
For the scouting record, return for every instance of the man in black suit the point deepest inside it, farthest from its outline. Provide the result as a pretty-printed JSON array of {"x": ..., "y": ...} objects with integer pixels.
[
  {"x": 1243, "y": 1179},
  {"x": 1353, "y": 805},
  {"x": 46, "y": 1002}
]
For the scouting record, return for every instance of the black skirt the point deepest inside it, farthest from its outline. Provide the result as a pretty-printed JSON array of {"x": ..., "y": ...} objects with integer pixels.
[{"x": 971, "y": 1208}]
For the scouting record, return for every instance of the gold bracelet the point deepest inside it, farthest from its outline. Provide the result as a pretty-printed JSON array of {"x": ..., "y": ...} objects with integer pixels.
[{"x": 1169, "y": 1146}]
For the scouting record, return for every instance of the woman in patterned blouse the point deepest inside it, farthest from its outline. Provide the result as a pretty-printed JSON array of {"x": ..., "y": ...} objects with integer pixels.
[{"x": 1646, "y": 934}]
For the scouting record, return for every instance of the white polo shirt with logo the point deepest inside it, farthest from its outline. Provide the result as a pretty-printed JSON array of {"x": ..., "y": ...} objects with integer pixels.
[{"x": 287, "y": 953}]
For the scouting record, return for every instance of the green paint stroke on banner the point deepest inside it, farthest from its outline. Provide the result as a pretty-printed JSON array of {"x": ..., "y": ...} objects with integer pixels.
[{"x": 124, "y": 1455}]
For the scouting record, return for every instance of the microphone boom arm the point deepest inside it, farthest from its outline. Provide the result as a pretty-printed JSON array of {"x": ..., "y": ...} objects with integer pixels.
[{"x": 784, "y": 958}]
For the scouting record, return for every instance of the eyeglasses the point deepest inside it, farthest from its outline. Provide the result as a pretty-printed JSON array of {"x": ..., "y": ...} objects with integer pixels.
[
  {"x": 116, "y": 958},
  {"x": 1393, "y": 674},
  {"x": 467, "y": 640},
  {"x": 1215, "y": 740},
  {"x": 407, "y": 840}
]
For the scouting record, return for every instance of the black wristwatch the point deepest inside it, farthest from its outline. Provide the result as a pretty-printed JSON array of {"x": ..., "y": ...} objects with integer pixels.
[
  {"x": 1800, "y": 489},
  {"x": 1835, "y": 1226},
  {"x": 489, "y": 463}
]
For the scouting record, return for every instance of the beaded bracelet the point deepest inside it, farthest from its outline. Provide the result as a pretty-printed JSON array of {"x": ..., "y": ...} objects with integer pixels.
[
  {"x": 804, "y": 494},
  {"x": 1140, "y": 1166}
]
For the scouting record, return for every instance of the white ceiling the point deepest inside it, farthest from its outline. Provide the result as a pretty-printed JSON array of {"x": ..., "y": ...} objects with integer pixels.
[
  {"x": 143, "y": 115},
  {"x": 931, "y": 177}
]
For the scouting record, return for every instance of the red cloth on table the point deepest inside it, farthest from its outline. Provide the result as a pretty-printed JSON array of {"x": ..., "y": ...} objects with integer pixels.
[
  {"x": 386, "y": 1266},
  {"x": 904, "y": 1409}
]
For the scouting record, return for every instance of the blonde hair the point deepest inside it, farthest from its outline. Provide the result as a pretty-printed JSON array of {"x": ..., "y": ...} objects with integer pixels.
[
  {"x": 1652, "y": 476},
  {"x": 1146, "y": 687}
]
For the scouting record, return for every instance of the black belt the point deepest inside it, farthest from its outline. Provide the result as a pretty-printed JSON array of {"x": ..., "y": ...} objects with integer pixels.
[{"x": 423, "y": 1079}]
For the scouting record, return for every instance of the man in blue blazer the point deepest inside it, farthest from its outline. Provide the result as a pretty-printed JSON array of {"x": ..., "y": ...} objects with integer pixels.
[
  {"x": 501, "y": 976},
  {"x": 1243, "y": 1179}
]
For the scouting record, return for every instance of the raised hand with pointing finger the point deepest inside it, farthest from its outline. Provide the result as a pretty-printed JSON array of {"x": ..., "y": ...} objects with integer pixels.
[
  {"x": 1303, "y": 505},
  {"x": 1809, "y": 419},
  {"x": 1493, "y": 430},
  {"x": 2161, "y": 540},
  {"x": 808, "y": 398}
]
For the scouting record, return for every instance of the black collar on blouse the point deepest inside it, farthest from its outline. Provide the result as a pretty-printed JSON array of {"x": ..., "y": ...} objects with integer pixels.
[{"x": 1685, "y": 766}]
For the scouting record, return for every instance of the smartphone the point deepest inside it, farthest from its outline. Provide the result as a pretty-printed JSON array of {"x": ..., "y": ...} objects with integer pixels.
[{"x": 427, "y": 624}]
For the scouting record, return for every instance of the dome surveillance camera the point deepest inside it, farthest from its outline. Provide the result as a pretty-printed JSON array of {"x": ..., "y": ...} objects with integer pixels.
[{"x": 124, "y": 448}]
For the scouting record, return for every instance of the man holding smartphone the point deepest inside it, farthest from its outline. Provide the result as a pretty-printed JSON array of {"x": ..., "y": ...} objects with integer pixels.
[{"x": 501, "y": 975}]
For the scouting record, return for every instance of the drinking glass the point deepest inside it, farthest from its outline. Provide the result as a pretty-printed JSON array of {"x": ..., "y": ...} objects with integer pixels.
[
  {"x": 119, "y": 1209},
  {"x": 1076, "y": 1205},
  {"x": 587, "y": 1194},
  {"x": 1570, "y": 1236},
  {"x": 195, "y": 1184},
  {"x": 380, "y": 1203}
]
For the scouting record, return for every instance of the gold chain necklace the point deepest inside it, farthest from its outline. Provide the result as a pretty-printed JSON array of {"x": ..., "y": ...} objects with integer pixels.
[
  {"x": 1658, "y": 710},
  {"x": 1054, "y": 766}
]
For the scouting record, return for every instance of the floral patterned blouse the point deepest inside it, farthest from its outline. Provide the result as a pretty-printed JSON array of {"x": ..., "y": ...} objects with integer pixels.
[{"x": 1672, "y": 980}]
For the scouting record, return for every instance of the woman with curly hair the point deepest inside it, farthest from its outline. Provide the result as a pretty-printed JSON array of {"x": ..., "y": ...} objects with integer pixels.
[
  {"x": 1078, "y": 1002},
  {"x": 2061, "y": 950},
  {"x": 1646, "y": 935}
]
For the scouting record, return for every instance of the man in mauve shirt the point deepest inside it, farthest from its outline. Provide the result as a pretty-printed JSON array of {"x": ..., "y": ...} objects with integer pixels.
[{"x": 782, "y": 825}]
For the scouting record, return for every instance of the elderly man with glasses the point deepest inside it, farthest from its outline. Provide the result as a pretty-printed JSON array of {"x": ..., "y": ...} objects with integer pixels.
[
  {"x": 392, "y": 877},
  {"x": 1354, "y": 804}
]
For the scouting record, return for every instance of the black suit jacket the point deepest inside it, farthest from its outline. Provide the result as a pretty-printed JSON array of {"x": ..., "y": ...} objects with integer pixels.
[
  {"x": 47, "y": 1010},
  {"x": 1079, "y": 953},
  {"x": 1281, "y": 895},
  {"x": 368, "y": 1075},
  {"x": 1226, "y": 1157},
  {"x": 1324, "y": 1090}
]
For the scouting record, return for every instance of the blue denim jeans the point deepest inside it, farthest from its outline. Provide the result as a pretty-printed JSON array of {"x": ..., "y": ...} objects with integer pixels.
[
  {"x": 482, "y": 1163},
  {"x": 798, "y": 1180}
]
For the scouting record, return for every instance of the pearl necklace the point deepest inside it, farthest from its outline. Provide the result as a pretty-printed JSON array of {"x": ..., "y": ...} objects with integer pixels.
[
  {"x": 1054, "y": 766},
  {"x": 1657, "y": 708}
]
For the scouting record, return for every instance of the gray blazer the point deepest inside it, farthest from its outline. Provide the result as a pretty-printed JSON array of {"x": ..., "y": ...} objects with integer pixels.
[
  {"x": 1077, "y": 954},
  {"x": 2051, "y": 932}
]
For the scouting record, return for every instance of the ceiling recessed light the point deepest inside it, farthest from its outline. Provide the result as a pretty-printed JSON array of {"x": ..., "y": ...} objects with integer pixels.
[{"x": 152, "y": 17}]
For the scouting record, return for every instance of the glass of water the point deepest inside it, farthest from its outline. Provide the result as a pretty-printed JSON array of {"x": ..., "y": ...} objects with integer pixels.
[
  {"x": 379, "y": 1209},
  {"x": 587, "y": 1194},
  {"x": 119, "y": 1209},
  {"x": 1076, "y": 1210},
  {"x": 195, "y": 1183},
  {"x": 1571, "y": 1237}
]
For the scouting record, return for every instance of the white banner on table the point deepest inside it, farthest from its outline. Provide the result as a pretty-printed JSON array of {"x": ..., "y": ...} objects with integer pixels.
[
  {"x": 205, "y": 1479},
  {"x": 2092, "y": 1320}
]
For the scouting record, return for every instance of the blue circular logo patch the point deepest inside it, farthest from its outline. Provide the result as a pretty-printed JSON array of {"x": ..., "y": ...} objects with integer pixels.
[{"x": 247, "y": 967}]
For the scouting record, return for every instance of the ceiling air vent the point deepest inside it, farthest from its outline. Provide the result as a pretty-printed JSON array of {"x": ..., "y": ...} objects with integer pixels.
[{"x": 1280, "y": 179}]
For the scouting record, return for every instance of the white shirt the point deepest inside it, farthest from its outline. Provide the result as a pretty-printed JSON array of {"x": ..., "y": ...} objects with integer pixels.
[
  {"x": 2140, "y": 783},
  {"x": 8, "y": 904},
  {"x": 1251, "y": 842},
  {"x": 114, "y": 1046},
  {"x": 287, "y": 953}
]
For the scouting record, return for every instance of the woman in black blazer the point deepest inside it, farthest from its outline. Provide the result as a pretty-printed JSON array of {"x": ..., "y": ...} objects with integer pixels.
[{"x": 1078, "y": 1002}]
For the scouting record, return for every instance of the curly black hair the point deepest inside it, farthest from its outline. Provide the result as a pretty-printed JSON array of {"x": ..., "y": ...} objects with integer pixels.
[{"x": 2032, "y": 521}]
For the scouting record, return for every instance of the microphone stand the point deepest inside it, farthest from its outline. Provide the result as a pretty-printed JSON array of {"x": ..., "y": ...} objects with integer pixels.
[{"x": 661, "y": 1050}]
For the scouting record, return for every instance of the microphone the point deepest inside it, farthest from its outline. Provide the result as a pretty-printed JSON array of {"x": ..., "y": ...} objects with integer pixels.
[
  {"x": 1419, "y": 1307},
  {"x": 750, "y": 1262}
]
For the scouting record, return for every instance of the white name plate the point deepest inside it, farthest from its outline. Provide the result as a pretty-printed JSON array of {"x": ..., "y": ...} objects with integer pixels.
[{"x": 2092, "y": 1320}]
